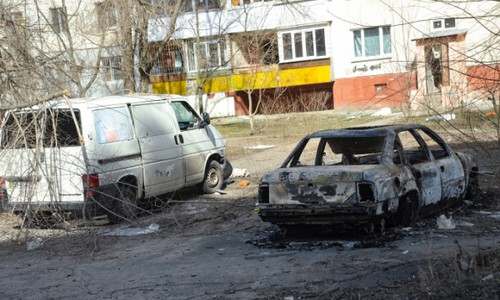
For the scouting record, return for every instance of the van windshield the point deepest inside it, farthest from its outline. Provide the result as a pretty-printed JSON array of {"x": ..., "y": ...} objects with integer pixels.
[{"x": 50, "y": 128}]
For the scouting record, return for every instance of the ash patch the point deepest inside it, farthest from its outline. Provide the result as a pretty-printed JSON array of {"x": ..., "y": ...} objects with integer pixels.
[{"x": 309, "y": 239}]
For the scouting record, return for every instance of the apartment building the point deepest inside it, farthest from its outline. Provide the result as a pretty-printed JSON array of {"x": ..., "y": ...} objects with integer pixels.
[
  {"x": 353, "y": 54},
  {"x": 259, "y": 55},
  {"x": 60, "y": 45}
]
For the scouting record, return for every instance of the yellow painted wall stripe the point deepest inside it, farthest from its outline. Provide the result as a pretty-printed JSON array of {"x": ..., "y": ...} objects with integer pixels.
[{"x": 259, "y": 80}]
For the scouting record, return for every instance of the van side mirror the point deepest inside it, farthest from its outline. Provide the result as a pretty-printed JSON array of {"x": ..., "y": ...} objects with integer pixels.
[{"x": 206, "y": 119}]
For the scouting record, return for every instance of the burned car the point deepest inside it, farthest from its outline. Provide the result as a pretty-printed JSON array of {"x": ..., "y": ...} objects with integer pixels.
[{"x": 366, "y": 175}]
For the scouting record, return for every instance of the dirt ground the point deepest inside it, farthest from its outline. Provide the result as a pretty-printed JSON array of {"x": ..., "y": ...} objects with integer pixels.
[{"x": 216, "y": 247}]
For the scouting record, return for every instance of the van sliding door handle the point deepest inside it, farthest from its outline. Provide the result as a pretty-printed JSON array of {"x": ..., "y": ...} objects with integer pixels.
[
  {"x": 181, "y": 139},
  {"x": 175, "y": 138}
]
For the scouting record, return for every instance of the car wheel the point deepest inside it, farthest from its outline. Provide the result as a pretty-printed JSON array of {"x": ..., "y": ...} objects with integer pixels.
[
  {"x": 125, "y": 205},
  {"x": 213, "y": 178},
  {"x": 408, "y": 211},
  {"x": 473, "y": 186}
]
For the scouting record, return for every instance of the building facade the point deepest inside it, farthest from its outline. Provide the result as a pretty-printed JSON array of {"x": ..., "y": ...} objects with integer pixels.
[
  {"x": 266, "y": 56},
  {"x": 322, "y": 54},
  {"x": 60, "y": 45}
]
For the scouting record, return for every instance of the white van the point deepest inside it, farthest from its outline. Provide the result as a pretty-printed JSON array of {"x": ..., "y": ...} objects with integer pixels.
[{"x": 106, "y": 153}]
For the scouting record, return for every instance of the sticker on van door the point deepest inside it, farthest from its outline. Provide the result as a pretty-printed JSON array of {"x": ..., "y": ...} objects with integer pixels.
[{"x": 113, "y": 125}]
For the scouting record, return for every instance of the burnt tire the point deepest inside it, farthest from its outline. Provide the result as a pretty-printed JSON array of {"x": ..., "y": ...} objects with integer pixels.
[
  {"x": 408, "y": 211},
  {"x": 124, "y": 205},
  {"x": 214, "y": 178},
  {"x": 472, "y": 187}
]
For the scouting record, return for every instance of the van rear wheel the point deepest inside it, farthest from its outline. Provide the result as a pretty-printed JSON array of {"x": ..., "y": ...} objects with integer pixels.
[
  {"x": 125, "y": 204},
  {"x": 213, "y": 178}
]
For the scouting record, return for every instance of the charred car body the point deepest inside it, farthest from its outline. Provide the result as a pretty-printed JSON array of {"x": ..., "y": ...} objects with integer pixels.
[{"x": 366, "y": 175}]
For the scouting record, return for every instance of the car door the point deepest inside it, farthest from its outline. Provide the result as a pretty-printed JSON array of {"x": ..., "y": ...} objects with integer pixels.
[
  {"x": 423, "y": 167},
  {"x": 448, "y": 164},
  {"x": 163, "y": 164},
  {"x": 196, "y": 140}
]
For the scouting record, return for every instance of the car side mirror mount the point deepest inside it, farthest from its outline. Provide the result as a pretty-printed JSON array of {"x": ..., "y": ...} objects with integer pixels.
[{"x": 205, "y": 119}]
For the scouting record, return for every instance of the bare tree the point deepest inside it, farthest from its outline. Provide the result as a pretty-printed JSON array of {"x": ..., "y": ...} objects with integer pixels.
[{"x": 260, "y": 51}]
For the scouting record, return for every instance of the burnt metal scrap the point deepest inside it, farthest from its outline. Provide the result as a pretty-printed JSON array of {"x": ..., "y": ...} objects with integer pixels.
[{"x": 367, "y": 175}]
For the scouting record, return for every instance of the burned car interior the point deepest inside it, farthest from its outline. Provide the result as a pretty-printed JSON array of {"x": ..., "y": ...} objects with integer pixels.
[
  {"x": 336, "y": 151},
  {"x": 366, "y": 150}
]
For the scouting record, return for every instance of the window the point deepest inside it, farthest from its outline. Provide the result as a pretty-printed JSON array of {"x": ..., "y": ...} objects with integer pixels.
[
  {"x": 443, "y": 23},
  {"x": 146, "y": 118},
  {"x": 363, "y": 150},
  {"x": 113, "y": 125},
  {"x": 381, "y": 89},
  {"x": 186, "y": 5},
  {"x": 56, "y": 128},
  {"x": 170, "y": 60},
  {"x": 112, "y": 68},
  {"x": 167, "y": 6},
  {"x": 213, "y": 54},
  {"x": 207, "y": 4},
  {"x": 258, "y": 48},
  {"x": 106, "y": 15},
  {"x": 417, "y": 144},
  {"x": 245, "y": 2},
  {"x": 59, "y": 20},
  {"x": 435, "y": 145},
  {"x": 303, "y": 44},
  {"x": 270, "y": 53},
  {"x": 14, "y": 22},
  {"x": 374, "y": 41},
  {"x": 186, "y": 117}
]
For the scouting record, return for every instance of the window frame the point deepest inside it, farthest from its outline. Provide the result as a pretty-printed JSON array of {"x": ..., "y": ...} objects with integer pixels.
[
  {"x": 191, "y": 57},
  {"x": 443, "y": 25},
  {"x": 111, "y": 68},
  {"x": 187, "y": 118},
  {"x": 381, "y": 43},
  {"x": 293, "y": 44},
  {"x": 168, "y": 60},
  {"x": 59, "y": 20},
  {"x": 107, "y": 15},
  {"x": 236, "y": 3},
  {"x": 14, "y": 22}
]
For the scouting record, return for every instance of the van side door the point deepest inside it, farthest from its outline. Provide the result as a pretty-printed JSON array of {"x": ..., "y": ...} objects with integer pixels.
[{"x": 163, "y": 165}]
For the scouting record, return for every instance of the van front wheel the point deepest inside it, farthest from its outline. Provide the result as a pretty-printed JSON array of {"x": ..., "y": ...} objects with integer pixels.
[{"x": 213, "y": 178}]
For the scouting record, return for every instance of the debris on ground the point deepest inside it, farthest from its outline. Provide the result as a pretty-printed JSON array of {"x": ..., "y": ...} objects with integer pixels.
[
  {"x": 34, "y": 244},
  {"x": 438, "y": 118},
  {"x": 445, "y": 223},
  {"x": 260, "y": 147},
  {"x": 245, "y": 183},
  {"x": 240, "y": 173},
  {"x": 383, "y": 112},
  {"x": 132, "y": 231}
]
